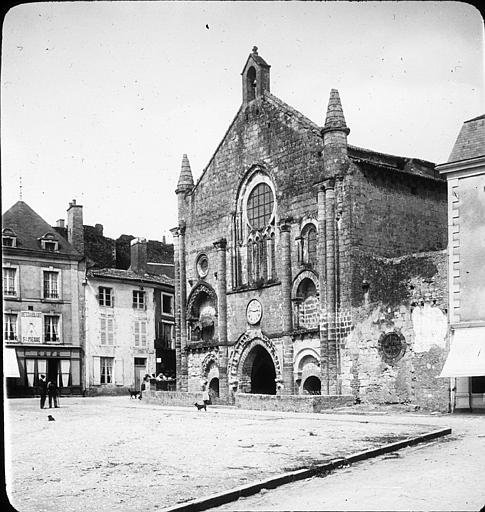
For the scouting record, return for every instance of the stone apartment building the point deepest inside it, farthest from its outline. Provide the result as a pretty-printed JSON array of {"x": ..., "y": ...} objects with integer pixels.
[
  {"x": 129, "y": 325},
  {"x": 465, "y": 174},
  {"x": 52, "y": 277},
  {"x": 43, "y": 301},
  {"x": 308, "y": 266}
]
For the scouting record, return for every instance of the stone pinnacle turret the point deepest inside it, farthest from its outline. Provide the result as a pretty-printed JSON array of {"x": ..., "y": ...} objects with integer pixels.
[
  {"x": 186, "y": 181},
  {"x": 334, "y": 134},
  {"x": 335, "y": 119}
]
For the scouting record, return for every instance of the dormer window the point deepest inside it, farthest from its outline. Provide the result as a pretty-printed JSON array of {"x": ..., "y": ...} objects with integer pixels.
[
  {"x": 9, "y": 238},
  {"x": 50, "y": 246},
  {"x": 49, "y": 242}
]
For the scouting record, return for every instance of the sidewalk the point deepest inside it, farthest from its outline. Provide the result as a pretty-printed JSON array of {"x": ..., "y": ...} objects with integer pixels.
[
  {"x": 443, "y": 475},
  {"x": 120, "y": 454}
]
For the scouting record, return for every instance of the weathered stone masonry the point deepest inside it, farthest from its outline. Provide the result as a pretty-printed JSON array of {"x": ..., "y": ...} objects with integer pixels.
[{"x": 294, "y": 261}]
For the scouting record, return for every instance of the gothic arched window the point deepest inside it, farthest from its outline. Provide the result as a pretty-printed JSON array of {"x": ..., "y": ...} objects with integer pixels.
[
  {"x": 260, "y": 206},
  {"x": 254, "y": 231},
  {"x": 308, "y": 241}
]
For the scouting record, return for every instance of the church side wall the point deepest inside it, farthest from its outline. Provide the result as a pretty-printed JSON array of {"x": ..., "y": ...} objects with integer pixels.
[
  {"x": 406, "y": 296},
  {"x": 395, "y": 214}
]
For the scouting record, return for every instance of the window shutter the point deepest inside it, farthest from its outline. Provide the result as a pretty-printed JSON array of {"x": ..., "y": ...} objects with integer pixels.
[
  {"x": 137, "y": 332},
  {"x": 96, "y": 371},
  {"x": 103, "y": 331},
  {"x": 143, "y": 333},
  {"x": 110, "y": 331},
  {"x": 119, "y": 371}
]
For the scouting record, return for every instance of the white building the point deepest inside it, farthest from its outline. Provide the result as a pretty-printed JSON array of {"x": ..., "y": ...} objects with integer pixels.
[
  {"x": 465, "y": 173},
  {"x": 129, "y": 325}
]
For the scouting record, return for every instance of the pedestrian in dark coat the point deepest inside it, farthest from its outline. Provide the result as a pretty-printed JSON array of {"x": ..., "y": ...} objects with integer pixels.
[
  {"x": 43, "y": 390},
  {"x": 52, "y": 392}
]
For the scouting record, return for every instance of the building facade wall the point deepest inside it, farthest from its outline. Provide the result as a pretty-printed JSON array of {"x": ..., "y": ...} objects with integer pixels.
[
  {"x": 465, "y": 173},
  {"x": 122, "y": 349},
  {"x": 467, "y": 209},
  {"x": 323, "y": 307},
  {"x": 406, "y": 296},
  {"x": 407, "y": 212},
  {"x": 375, "y": 214},
  {"x": 57, "y": 354}
]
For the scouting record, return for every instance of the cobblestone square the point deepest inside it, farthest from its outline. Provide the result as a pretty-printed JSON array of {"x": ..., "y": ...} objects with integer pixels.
[{"x": 121, "y": 454}]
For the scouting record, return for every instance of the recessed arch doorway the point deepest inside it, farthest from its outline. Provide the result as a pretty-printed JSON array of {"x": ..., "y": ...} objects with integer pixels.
[
  {"x": 312, "y": 386},
  {"x": 214, "y": 387},
  {"x": 258, "y": 372}
]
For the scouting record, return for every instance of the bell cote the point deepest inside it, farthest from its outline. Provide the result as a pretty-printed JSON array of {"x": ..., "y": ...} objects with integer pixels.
[{"x": 255, "y": 77}]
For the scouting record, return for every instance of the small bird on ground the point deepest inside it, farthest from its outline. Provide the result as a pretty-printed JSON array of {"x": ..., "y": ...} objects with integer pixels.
[{"x": 50, "y": 418}]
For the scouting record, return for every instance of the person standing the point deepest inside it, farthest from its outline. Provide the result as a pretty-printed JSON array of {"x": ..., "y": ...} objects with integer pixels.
[
  {"x": 43, "y": 390},
  {"x": 205, "y": 395},
  {"x": 52, "y": 392}
]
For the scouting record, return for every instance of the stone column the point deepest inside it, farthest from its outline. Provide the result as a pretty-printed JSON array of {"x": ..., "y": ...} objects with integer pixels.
[
  {"x": 286, "y": 312},
  {"x": 322, "y": 270},
  {"x": 342, "y": 272},
  {"x": 330, "y": 284},
  {"x": 183, "y": 308},
  {"x": 178, "y": 306},
  {"x": 220, "y": 246}
]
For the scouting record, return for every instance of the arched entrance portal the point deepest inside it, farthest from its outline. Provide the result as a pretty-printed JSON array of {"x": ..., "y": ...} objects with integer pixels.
[{"x": 258, "y": 373}]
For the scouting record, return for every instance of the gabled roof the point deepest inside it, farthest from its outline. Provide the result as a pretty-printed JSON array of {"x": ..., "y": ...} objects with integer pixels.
[
  {"x": 471, "y": 140},
  {"x": 129, "y": 275},
  {"x": 406, "y": 165},
  {"x": 257, "y": 59},
  {"x": 302, "y": 119},
  {"x": 30, "y": 227}
]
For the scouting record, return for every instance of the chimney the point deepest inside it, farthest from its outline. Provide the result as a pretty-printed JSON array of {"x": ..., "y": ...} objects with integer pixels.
[
  {"x": 75, "y": 228},
  {"x": 99, "y": 229},
  {"x": 60, "y": 223},
  {"x": 138, "y": 262}
]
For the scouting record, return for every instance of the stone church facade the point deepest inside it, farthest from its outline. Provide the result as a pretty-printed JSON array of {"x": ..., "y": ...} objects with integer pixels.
[{"x": 308, "y": 266}]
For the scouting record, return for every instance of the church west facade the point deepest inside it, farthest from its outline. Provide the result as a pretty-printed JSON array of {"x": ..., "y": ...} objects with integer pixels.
[{"x": 308, "y": 266}]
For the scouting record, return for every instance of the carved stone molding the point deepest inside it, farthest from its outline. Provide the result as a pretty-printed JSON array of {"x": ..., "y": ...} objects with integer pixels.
[{"x": 241, "y": 350}]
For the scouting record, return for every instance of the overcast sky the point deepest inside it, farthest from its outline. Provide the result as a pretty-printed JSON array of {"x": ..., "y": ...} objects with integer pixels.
[{"x": 101, "y": 99}]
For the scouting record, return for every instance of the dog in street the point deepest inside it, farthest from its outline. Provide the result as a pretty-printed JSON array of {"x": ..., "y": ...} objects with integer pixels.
[
  {"x": 135, "y": 394},
  {"x": 50, "y": 418},
  {"x": 200, "y": 406}
]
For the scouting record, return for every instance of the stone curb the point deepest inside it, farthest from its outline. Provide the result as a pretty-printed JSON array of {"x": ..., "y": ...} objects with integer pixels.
[{"x": 233, "y": 494}]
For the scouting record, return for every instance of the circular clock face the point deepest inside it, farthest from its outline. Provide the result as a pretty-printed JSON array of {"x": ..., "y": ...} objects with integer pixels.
[{"x": 254, "y": 311}]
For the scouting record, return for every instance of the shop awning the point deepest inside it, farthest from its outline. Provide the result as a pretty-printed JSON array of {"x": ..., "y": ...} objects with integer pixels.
[
  {"x": 10, "y": 363},
  {"x": 467, "y": 353}
]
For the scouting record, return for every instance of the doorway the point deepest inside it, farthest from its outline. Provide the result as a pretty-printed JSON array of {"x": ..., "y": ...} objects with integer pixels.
[
  {"x": 312, "y": 386},
  {"x": 214, "y": 388},
  {"x": 140, "y": 371},
  {"x": 53, "y": 370},
  {"x": 260, "y": 371}
]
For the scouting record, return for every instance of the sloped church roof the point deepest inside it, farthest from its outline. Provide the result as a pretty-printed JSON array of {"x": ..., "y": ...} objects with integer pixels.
[{"x": 380, "y": 161}]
